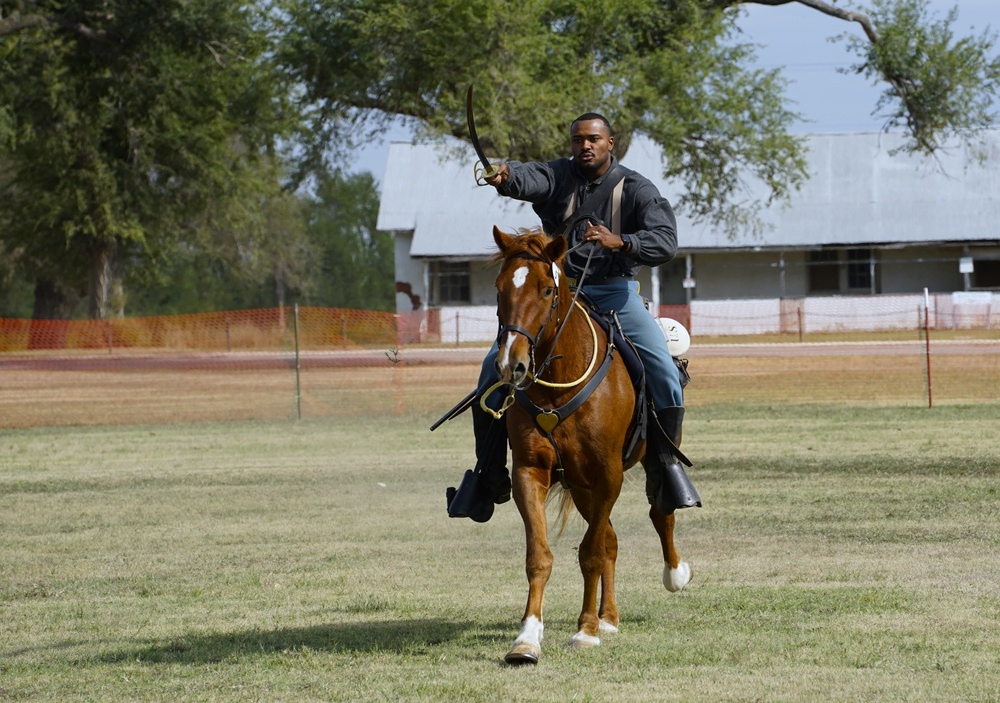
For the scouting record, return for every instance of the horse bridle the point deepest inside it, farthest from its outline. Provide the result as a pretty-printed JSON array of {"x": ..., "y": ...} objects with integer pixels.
[
  {"x": 533, "y": 338},
  {"x": 533, "y": 376}
]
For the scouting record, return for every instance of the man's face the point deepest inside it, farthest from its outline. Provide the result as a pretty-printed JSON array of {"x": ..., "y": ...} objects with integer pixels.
[{"x": 592, "y": 144}]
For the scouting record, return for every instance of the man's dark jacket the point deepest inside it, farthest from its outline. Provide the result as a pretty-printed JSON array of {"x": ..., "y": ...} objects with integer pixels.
[{"x": 647, "y": 220}]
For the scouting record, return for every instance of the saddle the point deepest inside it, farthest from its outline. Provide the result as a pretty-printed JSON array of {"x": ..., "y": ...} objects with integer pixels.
[
  {"x": 548, "y": 418},
  {"x": 636, "y": 371}
]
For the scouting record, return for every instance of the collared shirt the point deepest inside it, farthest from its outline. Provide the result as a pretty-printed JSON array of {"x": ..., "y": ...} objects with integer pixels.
[{"x": 647, "y": 220}]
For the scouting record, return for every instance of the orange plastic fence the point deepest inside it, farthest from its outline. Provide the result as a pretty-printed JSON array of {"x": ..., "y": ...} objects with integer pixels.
[
  {"x": 283, "y": 363},
  {"x": 264, "y": 329}
]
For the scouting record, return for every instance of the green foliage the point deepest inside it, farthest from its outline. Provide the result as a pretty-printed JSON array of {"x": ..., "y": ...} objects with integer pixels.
[
  {"x": 671, "y": 70},
  {"x": 355, "y": 261},
  {"x": 320, "y": 249},
  {"x": 15, "y": 291},
  {"x": 940, "y": 85},
  {"x": 136, "y": 124}
]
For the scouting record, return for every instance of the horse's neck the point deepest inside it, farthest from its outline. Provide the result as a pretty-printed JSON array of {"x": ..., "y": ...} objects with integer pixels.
[{"x": 573, "y": 350}]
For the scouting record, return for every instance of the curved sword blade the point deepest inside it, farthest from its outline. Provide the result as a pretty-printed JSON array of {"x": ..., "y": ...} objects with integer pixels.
[{"x": 489, "y": 170}]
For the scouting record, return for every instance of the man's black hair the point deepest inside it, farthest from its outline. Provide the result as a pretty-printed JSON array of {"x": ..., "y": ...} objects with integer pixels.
[{"x": 588, "y": 116}]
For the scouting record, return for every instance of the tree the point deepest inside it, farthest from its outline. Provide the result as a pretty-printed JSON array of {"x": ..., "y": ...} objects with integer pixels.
[
  {"x": 316, "y": 249},
  {"x": 127, "y": 127},
  {"x": 15, "y": 293},
  {"x": 937, "y": 86},
  {"x": 265, "y": 262},
  {"x": 672, "y": 69},
  {"x": 356, "y": 267}
]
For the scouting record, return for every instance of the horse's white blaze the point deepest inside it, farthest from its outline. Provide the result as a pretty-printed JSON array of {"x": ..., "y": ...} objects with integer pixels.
[
  {"x": 676, "y": 579},
  {"x": 520, "y": 276},
  {"x": 504, "y": 362},
  {"x": 531, "y": 631},
  {"x": 582, "y": 639}
]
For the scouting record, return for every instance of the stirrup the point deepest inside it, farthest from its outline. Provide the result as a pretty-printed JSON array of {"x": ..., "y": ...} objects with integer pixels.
[
  {"x": 676, "y": 490},
  {"x": 471, "y": 498}
]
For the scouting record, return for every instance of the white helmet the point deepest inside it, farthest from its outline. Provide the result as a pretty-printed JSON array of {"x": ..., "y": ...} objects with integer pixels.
[{"x": 678, "y": 339}]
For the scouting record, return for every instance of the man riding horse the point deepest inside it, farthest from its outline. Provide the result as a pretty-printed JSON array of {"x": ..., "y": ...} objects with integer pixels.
[{"x": 592, "y": 198}]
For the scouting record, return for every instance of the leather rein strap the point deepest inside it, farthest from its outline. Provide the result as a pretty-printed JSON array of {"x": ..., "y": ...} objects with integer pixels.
[{"x": 550, "y": 418}]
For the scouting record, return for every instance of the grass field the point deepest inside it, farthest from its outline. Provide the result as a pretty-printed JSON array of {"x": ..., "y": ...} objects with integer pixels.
[{"x": 842, "y": 554}]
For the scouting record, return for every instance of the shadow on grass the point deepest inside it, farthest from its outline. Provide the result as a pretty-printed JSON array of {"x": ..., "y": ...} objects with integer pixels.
[{"x": 396, "y": 637}]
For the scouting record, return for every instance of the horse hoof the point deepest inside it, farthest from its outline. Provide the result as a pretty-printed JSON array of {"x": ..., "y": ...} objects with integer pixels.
[
  {"x": 676, "y": 579},
  {"x": 605, "y": 626},
  {"x": 523, "y": 653},
  {"x": 581, "y": 640}
]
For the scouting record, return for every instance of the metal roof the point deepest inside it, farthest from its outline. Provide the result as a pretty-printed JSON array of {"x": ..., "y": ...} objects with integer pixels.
[{"x": 857, "y": 194}]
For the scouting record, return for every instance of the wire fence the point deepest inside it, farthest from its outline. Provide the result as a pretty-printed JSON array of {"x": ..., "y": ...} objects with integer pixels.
[{"x": 314, "y": 362}]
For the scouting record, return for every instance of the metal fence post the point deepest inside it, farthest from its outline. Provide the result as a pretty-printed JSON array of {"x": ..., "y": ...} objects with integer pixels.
[
  {"x": 298, "y": 381},
  {"x": 927, "y": 342}
]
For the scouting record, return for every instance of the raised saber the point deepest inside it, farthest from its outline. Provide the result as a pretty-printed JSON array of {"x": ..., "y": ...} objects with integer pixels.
[{"x": 488, "y": 170}]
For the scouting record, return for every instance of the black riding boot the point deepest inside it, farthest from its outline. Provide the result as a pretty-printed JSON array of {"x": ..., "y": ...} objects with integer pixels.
[
  {"x": 491, "y": 453},
  {"x": 667, "y": 484},
  {"x": 489, "y": 482}
]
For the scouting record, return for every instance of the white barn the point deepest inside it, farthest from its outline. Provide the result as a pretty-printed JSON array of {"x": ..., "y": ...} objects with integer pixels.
[{"x": 866, "y": 223}]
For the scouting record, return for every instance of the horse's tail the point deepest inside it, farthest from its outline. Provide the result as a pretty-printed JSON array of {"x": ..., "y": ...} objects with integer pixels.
[{"x": 565, "y": 509}]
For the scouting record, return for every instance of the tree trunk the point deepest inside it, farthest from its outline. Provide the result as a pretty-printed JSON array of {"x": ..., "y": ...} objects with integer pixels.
[
  {"x": 49, "y": 316},
  {"x": 107, "y": 294}
]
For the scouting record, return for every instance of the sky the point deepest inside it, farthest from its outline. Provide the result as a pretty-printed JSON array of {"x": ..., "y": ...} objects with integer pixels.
[{"x": 795, "y": 39}]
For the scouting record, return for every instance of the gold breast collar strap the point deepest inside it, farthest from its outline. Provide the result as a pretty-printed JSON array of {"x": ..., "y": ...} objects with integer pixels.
[{"x": 509, "y": 400}]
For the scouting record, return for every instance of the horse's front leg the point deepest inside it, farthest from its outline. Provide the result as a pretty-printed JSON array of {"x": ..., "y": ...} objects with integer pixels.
[
  {"x": 676, "y": 573},
  {"x": 530, "y": 486}
]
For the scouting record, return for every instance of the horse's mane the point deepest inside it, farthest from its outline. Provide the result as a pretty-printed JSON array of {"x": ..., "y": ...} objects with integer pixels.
[{"x": 530, "y": 240}]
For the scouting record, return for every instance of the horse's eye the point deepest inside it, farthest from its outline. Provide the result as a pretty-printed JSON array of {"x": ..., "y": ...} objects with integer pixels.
[{"x": 549, "y": 292}]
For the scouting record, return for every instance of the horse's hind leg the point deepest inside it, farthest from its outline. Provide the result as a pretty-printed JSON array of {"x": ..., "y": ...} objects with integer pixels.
[
  {"x": 676, "y": 573},
  {"x": 530, "y": 488},
  {"x": 607, "y": 612},
  {"x": 599, "y": 543}
]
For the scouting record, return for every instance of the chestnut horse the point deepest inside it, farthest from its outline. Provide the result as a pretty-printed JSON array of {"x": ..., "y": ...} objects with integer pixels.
[{"x": 549, "y": 349}]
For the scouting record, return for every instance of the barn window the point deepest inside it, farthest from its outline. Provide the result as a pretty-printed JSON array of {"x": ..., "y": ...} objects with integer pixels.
[
  {"x": 859, "y": 271},
  {"x": 451, "y": 282},
  {"x": 824, "y": 271},
  {"x": 986, "y": 274},
  {"x": 834, "y": 271}
]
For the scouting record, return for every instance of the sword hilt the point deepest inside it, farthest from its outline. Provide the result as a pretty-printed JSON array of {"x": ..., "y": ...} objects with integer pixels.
[{"x": 481, "y": 173}]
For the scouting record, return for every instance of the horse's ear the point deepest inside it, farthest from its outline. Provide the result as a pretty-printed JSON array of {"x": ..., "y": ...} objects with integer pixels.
[
  {"x": 556, "y": 248},
  {"x": 502, "y": 239}
]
